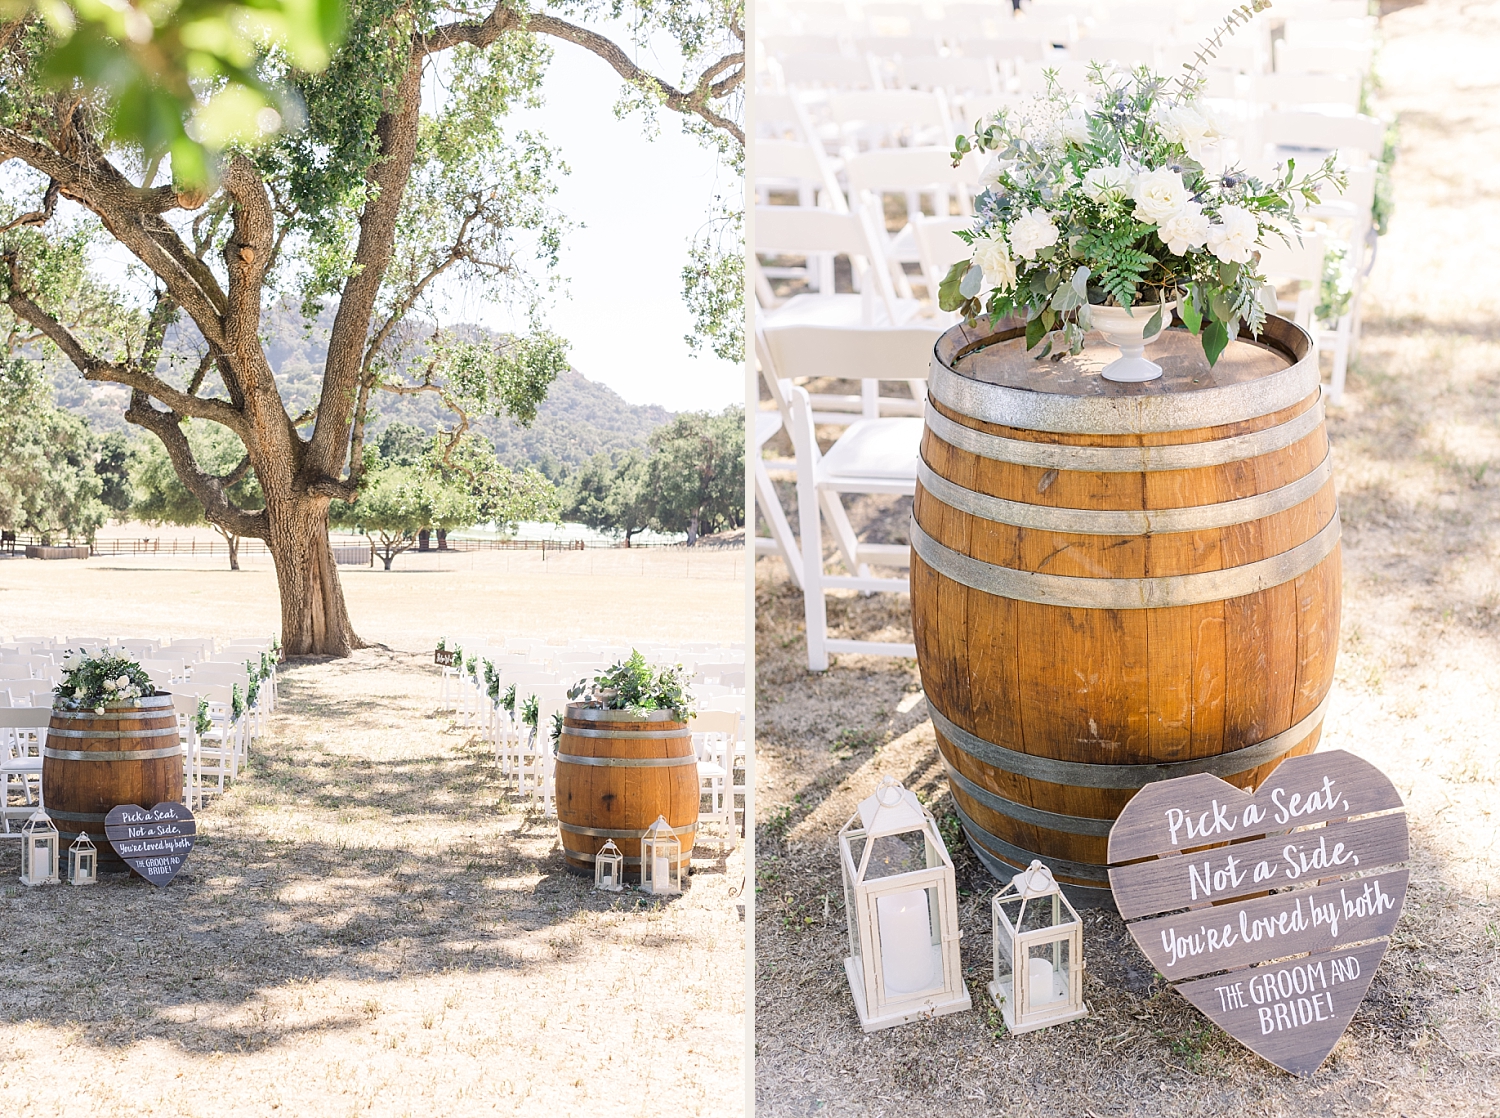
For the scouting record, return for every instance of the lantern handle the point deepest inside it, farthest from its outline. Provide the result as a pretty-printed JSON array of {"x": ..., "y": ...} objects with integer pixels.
[{"x": 894, "y": 787}]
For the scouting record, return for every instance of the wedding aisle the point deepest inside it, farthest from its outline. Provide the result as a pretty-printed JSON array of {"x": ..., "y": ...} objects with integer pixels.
[
  {"x": 1416, "y": 450},
  {"x": 369, "y": 924}
]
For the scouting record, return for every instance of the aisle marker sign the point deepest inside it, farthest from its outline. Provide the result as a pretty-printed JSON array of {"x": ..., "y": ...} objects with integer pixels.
[
  {"x": 152, "y": 841},
  {"x": 1302, "y": 872}
]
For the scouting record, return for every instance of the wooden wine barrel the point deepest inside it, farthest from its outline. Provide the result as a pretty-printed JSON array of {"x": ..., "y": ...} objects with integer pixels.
[
  {"x": 94, "y": 762},
  {"x": 1114, "y": 584},
  {"x": 616, "y": 772}
]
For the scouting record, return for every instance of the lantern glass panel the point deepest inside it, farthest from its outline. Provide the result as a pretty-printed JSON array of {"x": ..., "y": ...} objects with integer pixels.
[
  {"x": 851, "y": 910},
  {"x": 895, "y": 854},
  {"x": 43, "y": 857},
  {"x": 1042, "y": 913},
  {"x": 911, "y": 955},
  {"x": 1047, "y": 969}
]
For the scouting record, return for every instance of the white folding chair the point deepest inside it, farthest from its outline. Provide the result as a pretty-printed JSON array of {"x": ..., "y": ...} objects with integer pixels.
[
  {"x": 781, "y": 541},
  {"x": 186, "y": 709},
  {"x": 220, "y": 748},
  {"x": 892, "y": 117},
  {"x": 912, "y": 173},
  {"x": 938, "y": 247},
  {"x": 23, "y": 736},
  {"x": 1295, "y": 261}
]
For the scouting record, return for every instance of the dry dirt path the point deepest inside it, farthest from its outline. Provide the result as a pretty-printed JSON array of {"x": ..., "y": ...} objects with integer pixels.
[
  {"x": 369, "y": 925},
  {"x": 1417, "y": 448}
]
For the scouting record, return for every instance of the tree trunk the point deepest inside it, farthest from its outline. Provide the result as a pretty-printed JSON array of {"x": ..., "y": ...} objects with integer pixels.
[
  {"x": 692, "y": 539},
  {"x": 314, "y": 621},
  {"x": 442, "y": 535},
  {"x": 234, "y": 552}
]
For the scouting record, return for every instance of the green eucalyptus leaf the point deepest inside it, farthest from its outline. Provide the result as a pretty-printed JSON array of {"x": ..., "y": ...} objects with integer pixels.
[
  {"x": 949, "y": 296},
  {"x": 1153, "y": 327},
  {"x": 1215, "y": 338},
  {"x": 969, "y": 285},
  {"x": 1036, "y": 329},
  {"x": 1188, "y": 309}
]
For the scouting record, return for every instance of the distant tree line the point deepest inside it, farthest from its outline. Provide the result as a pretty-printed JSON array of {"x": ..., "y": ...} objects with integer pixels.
[
  {"x": 61, "y": 480},
  {"x": 691, "y": 478}
]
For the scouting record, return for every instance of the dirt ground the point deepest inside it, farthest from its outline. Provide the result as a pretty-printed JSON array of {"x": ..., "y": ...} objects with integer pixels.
[
  {"x": 618, "y": 595},
  {"x": 1417, "y": 445},
  {"x": 369, "y": 924}
]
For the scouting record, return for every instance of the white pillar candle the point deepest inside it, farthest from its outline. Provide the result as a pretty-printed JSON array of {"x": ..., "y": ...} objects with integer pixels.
[
  {"x": 907, "y": 958},
  {"x": 1039, "y": 976},
  {"x": 661, "y": 876}
]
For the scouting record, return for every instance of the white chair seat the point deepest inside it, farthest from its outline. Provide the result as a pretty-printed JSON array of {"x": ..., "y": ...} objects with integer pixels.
[{"x": 884, "y": 450}]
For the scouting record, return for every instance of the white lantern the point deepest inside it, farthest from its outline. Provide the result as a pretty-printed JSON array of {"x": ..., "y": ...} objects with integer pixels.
[
  {"x": 83, "y": 862},
  {"x": 661, "y": 859},
  {"x": 902, "y": 902},
  {"x": 1038, "y": 953},
  {"x": 39, "y": 846},
  {"x": 609, "y": 868}
]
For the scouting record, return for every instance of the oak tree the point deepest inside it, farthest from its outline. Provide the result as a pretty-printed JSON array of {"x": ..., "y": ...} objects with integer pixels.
[{"x": 401, "y": 173}]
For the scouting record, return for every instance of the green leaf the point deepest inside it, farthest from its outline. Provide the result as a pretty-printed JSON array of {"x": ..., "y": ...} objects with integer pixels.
[
  {"x": 1228, "y": 274},
  {"x": 968, "y": 287},
  {"x": 1220, "y": 306},
  {"x": 1215, "y": 338},
  {"x": 1035, "y": 331},
  {"x": 949, "y": 296},
  {"x": 1188, "y": 309},
  {"x": 1048, "y": 317},
  {"x": 1153, "y": 327}
]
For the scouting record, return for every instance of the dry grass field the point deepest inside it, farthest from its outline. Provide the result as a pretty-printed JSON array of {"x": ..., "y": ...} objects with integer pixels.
[
  {"x": 1417, "y": 448},
  {"x": 369, "y": 924}
]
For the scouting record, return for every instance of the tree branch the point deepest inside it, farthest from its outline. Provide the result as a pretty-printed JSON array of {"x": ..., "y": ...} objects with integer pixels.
[
  {"x": 94, "y": 367},
  {"x": 37, "y": 217},
  {"x": 209, "y": 490}
]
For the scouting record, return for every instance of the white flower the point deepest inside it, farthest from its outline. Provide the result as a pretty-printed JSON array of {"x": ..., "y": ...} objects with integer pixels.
[
  {"x": 1106, "y": 184},
  {"x": 1034, "y": 231},
  {"x": 990, "y": 176},
  {"x": 1158, "y": 195},
  {"x": 1232, "y": 239},
  {"x": 1075, "y": 129},
  {"x": 110, "y": 685},
  {"x": 1187, "y": 228},
  {"x": 70, "y": 660},
  {"x": 1183, "y": 125},
  {"x": 123, "y": 681},
  {"x": 993, "y": 257}
]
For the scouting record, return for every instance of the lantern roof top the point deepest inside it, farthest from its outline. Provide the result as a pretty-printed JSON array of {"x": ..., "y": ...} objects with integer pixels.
[
  {"x": 891, "y": 810},
  {"x": 39, "y": 821},
  {"x": 660, "y": 829},
  {"x": 1035, "y": 880}
]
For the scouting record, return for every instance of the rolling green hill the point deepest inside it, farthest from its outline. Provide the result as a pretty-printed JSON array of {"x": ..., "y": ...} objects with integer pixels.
[{"x": 580, "y": 417}]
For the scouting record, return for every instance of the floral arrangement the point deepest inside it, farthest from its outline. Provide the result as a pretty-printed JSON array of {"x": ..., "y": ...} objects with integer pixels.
[
  {"x": 1111, "y": 203},
  {"x": 530, "y": 711},
  {"x": 509, "y": 699},
  {"x": 491, "y": 681},
  {"x": 202, "y": 722},
  {"x": 89, "y": 682},
  {"x": 635, "y": 685}
]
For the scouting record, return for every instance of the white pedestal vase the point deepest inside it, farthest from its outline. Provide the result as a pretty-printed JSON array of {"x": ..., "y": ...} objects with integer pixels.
[{"x": 1123, "y": 328}]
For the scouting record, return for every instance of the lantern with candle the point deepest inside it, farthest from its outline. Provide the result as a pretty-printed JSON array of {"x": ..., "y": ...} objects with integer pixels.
[
  {"x": 39, "y": 851},
  {"x": 83, "y": 861},
  {"x": 609, "y": 868},
  {"x": 902, "y": 904},
  {"x": 1038, "y": 953},
  {"x": 661, "y": 859}
]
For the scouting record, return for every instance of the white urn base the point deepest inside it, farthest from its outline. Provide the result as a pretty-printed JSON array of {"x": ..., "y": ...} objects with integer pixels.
[{"x": 1123, "y": 328}]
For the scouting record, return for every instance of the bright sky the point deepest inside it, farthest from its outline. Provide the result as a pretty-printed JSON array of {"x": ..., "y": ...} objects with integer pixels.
[{"x": 640, "y": 202}]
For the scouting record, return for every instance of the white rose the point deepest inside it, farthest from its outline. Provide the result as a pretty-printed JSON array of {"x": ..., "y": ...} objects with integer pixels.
[
  {"x": 1232, "y": 239},
  {"x": 1106, "y": 184},
  {"x": 1158, "y": 195},
  {"x": 1034, "y": 231},
  {"x": 1075, "y": 129},
  {"x": 990, "y": 176},
  {"x": 1183, "y": 125},
  {"x": 123, "y": 681},
  {"x": 110, "y": 685},
  {"x": 1187, "y": 228},
  {"x": 993, "y": 257}
]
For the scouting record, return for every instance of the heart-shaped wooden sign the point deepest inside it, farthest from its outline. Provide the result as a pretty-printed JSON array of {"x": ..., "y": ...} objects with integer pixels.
[
  {"x": 1286, "y": 896},
  {"x": 152, "y": 841}
]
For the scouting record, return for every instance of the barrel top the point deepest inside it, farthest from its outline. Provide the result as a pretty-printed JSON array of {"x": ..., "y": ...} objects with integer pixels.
[{"x": 990, "y": 377}]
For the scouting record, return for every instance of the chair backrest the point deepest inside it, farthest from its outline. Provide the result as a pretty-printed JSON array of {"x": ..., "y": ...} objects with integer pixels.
[
  {"x": 1127, "y": 52},
  {"x": 855, "y": 353},
  {"x": 782, "y": 116},
  {"x": 893, "y": 108},
  {"x": 1355, "y": 138},
  {"x": 1325, "y": 58},
  {"x": 25, "y": 718},
  {"x": 715, "y": 722},
  {"x": 1293, "y": 91},
  {"x": 14, "y": 671},
  {"x": 952, "y": 74},
  {"x": 897, "y": 46},
  {"x": 803, "y": 164},
  {"x": 1010, "y": 48},
  {"x": 1300, "y": 31},
  {"x": 191, "y": 649},
  {"x": 898, "y": 169},
  {"x": 802, "y": 231},
  {"x": 1301, "y": 260},
  {"x": 735, "y": 703},
  {"x": 827, "y": 71},
  {"x": 778, "y": 46},
  {"x": 938, "y": 247}
]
